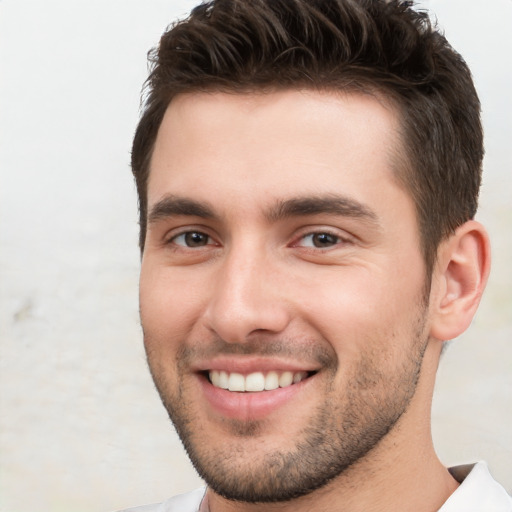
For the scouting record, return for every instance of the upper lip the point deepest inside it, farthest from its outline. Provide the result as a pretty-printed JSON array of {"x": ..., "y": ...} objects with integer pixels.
[{"x": 251, "y": 364}]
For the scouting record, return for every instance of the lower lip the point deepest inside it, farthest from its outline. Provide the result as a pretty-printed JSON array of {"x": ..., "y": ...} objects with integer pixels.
[{"x": 249, "y": 405}]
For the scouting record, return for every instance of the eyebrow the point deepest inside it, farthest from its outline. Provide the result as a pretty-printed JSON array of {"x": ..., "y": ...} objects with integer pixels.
[
  {"x": 172, "y": 205},
  {"x": 325, "y": 204}
]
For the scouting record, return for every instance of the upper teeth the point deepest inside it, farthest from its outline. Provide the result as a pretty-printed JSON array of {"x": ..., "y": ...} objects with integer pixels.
[{"x": 257, "y": 381}]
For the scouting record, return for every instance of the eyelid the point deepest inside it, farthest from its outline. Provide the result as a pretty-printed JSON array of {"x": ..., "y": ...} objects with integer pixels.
[
  {"x": 184, "y": 235},
  {"x": 342, "y": 236},
  {"x": 174, "y": 233}
]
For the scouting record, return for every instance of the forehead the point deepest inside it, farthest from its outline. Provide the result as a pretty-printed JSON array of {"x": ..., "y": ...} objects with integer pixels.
[{"x": 259, "y": 146}]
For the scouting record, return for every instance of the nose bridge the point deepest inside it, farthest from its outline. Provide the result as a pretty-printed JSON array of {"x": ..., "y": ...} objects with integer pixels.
[{"x": 246, "y": 297}]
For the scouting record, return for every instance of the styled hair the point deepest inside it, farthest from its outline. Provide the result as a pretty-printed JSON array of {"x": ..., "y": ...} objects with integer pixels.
[{"x": 385, "y": 48}]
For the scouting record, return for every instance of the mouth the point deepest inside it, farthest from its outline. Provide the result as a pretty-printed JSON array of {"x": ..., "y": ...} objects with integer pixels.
[
  {"x": 255, "y": 382},
  {"x": 253, "y": 390}
]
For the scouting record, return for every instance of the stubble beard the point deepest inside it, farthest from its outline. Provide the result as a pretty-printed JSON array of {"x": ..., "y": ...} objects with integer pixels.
[{"x": 339, "y": 434}]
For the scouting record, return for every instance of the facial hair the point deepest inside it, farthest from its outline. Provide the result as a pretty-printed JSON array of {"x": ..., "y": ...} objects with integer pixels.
[{"x": 344, "y": 427}]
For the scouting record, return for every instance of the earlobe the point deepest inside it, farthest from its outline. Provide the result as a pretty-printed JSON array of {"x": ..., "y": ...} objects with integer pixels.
[{"x": 459, "y": 279}]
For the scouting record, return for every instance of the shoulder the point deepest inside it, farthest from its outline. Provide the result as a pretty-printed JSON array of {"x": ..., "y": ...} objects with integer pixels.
[
  {"x": 478, "y": 491},
  {"x": 188, "y": 502}
]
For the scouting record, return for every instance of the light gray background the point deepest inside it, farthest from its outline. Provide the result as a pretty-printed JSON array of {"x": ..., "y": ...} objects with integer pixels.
[{"x": 81, "y": 428}]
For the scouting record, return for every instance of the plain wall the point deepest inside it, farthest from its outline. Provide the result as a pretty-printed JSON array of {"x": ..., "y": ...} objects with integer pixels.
[{"x": 81, "y": 427}]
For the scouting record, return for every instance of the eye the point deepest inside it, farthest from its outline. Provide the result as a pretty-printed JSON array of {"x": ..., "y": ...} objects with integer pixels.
[
  {"x": 319, "y": 240},
  {"x": 192, "y": 239}
]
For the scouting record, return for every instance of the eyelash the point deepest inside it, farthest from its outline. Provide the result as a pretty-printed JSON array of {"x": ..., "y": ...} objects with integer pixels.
[
  {"x": 191, "y": 232},
  {"x": 335, "y": 240}
]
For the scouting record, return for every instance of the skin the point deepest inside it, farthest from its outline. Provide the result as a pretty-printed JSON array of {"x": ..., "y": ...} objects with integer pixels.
[{"x": 237, "y": 273}]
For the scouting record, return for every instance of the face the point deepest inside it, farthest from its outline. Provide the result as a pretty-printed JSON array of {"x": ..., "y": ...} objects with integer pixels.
[{"x": 282, "y": 286}]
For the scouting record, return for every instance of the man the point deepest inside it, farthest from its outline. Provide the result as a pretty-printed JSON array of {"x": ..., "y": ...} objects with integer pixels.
[{"x": 308, "y": 174}]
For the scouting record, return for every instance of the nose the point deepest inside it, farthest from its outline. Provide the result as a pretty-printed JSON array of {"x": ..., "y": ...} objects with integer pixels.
[{"x": 246, "y": 298}]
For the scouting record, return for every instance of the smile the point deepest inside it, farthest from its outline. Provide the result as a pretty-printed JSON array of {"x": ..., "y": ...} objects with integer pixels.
[{"x": 255, "y": 381}]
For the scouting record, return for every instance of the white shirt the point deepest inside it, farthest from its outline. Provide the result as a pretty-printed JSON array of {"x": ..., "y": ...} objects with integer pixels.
[
  {"x": 188, "y": 502},
  {"x": 478, "y": 492}
]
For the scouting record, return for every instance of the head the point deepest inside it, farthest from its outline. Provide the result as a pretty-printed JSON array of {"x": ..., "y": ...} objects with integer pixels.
[
  {"x": 381, "y": 48},
  {"x": 299, "y": 166}
]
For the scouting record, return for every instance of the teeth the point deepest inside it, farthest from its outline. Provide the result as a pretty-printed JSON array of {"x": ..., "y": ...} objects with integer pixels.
[
  {"x": 236, "y": 382},
  {"x": 219, "y": 379},
  {"x": 297, "y": 377},
  {"x": 271, "y": 381},
  {"x": 257, "y": 381},
  {"x": 286, "y": 379},
  {"x": 223, "y": 380}
]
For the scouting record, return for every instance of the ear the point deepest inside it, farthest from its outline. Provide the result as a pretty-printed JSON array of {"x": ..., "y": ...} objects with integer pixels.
[{"x": 459, "y": 279}]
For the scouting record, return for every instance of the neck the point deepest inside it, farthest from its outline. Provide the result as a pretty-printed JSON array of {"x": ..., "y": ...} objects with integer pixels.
[{"x": 401, "y": 473}]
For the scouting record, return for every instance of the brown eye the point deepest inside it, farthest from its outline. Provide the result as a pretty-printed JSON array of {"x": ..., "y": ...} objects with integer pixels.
[
  {"x": 322, "y": 240},
  {"x": 192, "y": 239}
]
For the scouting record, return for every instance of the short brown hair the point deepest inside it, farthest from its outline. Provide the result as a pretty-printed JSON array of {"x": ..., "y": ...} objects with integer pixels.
[{"x": 383, "y": 47}]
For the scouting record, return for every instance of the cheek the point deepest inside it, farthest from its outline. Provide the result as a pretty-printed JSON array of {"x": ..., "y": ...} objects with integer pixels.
[
  {"x": 356, "y": 306},
  {"x": 169, "y": 305}
]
